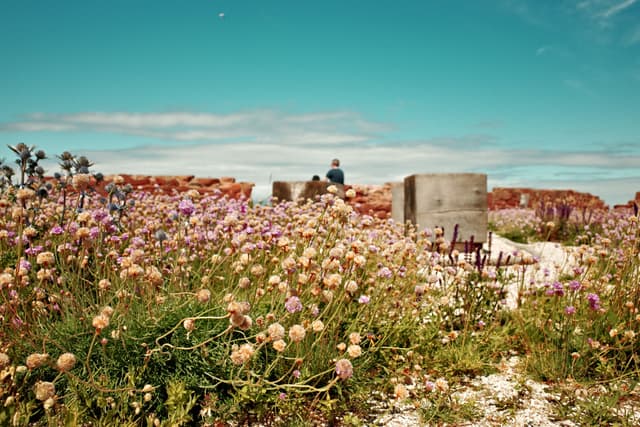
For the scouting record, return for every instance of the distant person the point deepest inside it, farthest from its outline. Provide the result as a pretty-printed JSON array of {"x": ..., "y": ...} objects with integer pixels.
[
  {"x": 335, "y": 174},
  {"x": 315, "y": 178}
]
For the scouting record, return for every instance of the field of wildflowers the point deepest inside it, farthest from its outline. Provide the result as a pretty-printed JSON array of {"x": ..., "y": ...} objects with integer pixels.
[{"x": 139, "y": 309}]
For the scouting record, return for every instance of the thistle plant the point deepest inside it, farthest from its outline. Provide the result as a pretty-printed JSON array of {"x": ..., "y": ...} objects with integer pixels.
[{"x": 75, "y": 174}]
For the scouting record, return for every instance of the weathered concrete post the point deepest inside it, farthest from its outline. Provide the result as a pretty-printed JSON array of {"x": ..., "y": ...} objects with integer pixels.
[
  {"x": 397, "y": 202},
  {"x": 296, "y": 190},
  {"x": 444, "y": 200}
]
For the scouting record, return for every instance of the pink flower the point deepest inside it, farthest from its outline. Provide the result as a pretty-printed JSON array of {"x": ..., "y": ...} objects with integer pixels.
[{"x": 344, "y": 369}]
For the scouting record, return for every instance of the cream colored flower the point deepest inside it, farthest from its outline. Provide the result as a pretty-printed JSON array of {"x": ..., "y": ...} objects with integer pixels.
[
  {"x": 241, "y": 355},
  {"x": 279, "y": 345},
  {"x": 297, "y": 333},
  {"x": 189, "y": 324},
  {"x": 36, "y": 360},
  {"x": 45, "y": 259},
  {"x": 66, "y": 362},
  {"x": 104, "y": 284},
  {"x": 275, "y": 331},
  {"x": 100, "y": 322},
  {"x": 317, "y": 325},
  {"x": 274, "y": 280},
  {"x": 257, "y": 270},
  {"x": 354, "y": 350},
  {"x": 355, "y": 338},
  {"x": 44, "y": 390},
  {"x": 244, "y": 283},
  {"x": 332, "y": 280},
  {"x": 203, "y": 296},
  {"x": 4, "y": 360},
  {"x": 107, "y": 311}
]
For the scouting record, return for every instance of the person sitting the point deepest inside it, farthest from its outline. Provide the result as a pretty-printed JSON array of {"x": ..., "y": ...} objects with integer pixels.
[{"x": 335, "y": 174}]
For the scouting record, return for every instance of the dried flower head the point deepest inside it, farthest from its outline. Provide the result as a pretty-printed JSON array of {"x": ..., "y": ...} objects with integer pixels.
[
  {"x": 241, "y": 355},
  {"x": 45, "y": 259},
  {"x": 4, "y": 360},
  {"x": 354, "y": 350},
  {"x": 355, "y": 338},
  {"x": 100, "y": 322},
  {"x": 44, "y": 390},
  {"x": 36, "y": 360},
  {"x": 279, "y": 345},
  {"x": 66, "y": 362},
  {"x": 203, "y": 296},
  {"x": 275, "y": 331},
  {"x": 317, "y": 325},
  {"x": 189, "y": 324},
  {"x": 297, "y": 333}
]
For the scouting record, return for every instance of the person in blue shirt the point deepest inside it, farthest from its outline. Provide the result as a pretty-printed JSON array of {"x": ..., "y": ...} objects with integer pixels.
[{"x": 335, "y": 174}]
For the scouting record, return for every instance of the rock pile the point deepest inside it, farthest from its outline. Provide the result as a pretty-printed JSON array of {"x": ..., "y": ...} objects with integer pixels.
[
  {"x": 505, "y": 198},
  {"x": 183, "y": 183},
  {"x": 374, "y": 200}
]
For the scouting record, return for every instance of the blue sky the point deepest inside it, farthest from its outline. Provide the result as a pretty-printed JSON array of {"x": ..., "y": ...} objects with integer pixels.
[{"x": 537, "y": 93}]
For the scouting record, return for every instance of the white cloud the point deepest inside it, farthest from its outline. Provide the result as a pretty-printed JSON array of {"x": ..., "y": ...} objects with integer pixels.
[
  {"x": 263, "y": 125},
  {"x": 264, "y": 163},
  {"x": 617, "y": 8},
  {"x": 266, "y": 146}
]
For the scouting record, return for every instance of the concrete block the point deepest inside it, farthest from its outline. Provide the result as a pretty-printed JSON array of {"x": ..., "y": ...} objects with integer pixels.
[
  {"x": 444, "y": 200},
  {"x": 397, "y": 202},
  {"x": 302, "y": 190}
]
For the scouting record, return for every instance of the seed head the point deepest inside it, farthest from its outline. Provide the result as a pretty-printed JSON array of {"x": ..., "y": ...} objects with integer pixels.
[
  {"x": 66, "y": 362},
  {"x": 44, "y": 390}
]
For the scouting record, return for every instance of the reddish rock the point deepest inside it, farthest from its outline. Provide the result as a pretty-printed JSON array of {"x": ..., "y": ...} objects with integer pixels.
[
  {"x": 180, "y": 183},
  {"x": 505, "y": 198},
  {"x": 246, "y": 188},
  {"x": 204, "y": 182},
  {"x": 374, "y": 200}
]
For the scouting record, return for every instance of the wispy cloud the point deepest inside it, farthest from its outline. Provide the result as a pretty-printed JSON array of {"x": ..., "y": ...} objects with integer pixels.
[
  {"x": 617, "y": 8},
  {"x": 264, "y": 125},
  {"x": 376, "y": 164},
  {"x": 266, "y": 146},
  {"x": 603, "y": 11},
  {"x": 542, "y": 50}
]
